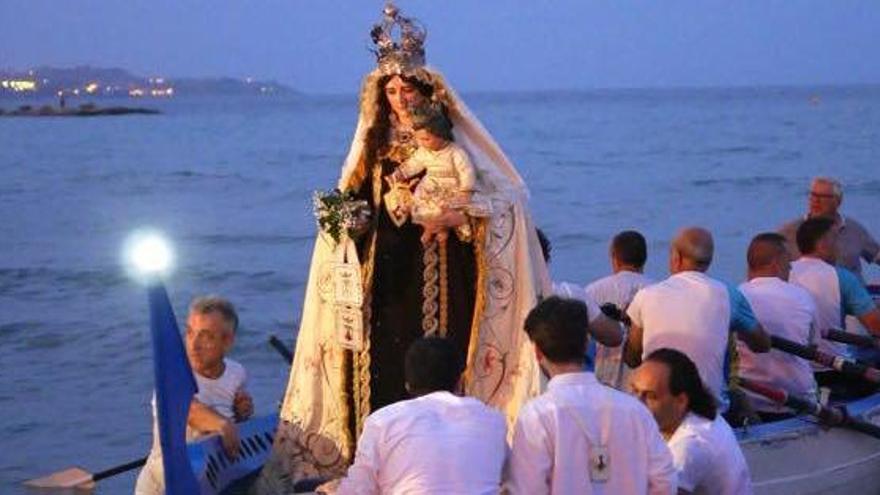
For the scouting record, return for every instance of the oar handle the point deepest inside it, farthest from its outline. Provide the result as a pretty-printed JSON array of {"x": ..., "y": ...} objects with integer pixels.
[
  {"x": 281, "y": 348},
  {"x": 119, "y": 469},
  {"x": 782, "y": 397},
  {"x": 839, "y": 363},
  {"x": 863, "y": 426},
  {"x": 850, "y": 338},
  {"x": 828, "y": 415}
]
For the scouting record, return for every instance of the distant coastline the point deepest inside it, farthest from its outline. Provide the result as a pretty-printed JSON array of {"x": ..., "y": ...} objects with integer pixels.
[{"x": 97, "y": 82}]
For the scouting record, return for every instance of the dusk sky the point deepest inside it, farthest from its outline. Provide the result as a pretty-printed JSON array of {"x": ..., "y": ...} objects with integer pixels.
[{"x": 321, "y": 46}]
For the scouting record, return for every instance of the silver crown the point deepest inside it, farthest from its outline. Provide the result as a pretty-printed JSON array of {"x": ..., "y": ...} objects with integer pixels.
[{"x": 399, "y": 42}]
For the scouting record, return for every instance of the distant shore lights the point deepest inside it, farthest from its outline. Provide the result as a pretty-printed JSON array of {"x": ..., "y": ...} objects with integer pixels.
[{"x": 19, "y": 85}]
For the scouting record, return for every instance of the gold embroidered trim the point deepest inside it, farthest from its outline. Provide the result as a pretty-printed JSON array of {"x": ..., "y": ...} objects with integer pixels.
[
  {"x": 479, "y": 243},
  {"x": 430, "y": 288}
]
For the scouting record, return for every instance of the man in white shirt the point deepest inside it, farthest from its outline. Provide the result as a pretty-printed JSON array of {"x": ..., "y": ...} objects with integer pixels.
[
  {"x": 693, "y": 313},
  {"x": 221, "y": 400},
  {"x": 706, "y": 454},
  {"x": 581, "y": 436},
  {"x": 605, "y": 330},
  {"x": 628, "y": 253},
  {"x": 437, "y": 442},
  {"x": 784, "y": 310},
  {"x": 835, "y": 290}
]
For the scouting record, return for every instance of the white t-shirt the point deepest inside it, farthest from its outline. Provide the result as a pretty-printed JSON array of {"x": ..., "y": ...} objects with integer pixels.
[
  {"x": 836, "y": 291},
  {"x": 435, "y": 444},
  {"x": 618, "y": 289},
  {"x": 689, "y": 312},
  {"x": 572, "y": 291},
  {"x": 559, "y": 434},
  {"x": 787, "y": 311},
  {"x": 708, "y": 458},
  {"x": 218, "y": 394}
]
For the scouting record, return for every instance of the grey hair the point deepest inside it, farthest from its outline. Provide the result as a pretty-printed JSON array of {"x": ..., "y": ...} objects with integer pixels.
[
  {"x": 831, "y": 181},
  {"x": 205, "y": 305}
]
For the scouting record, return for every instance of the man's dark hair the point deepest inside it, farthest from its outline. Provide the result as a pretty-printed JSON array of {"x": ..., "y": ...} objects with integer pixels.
[
  {"x": 432, "y": 364},
  {"x": 684, "y": 378},
  {"x": 630, "y": 248},
  {"x": 546, "y": 247},
  {"x": 558, "y": 327},
  {"x": 764, "y": 249},
  {"x": 810, "y": 231}
]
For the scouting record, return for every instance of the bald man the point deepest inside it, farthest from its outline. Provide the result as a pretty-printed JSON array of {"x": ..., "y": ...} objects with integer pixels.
[
  {"x": 692, "y": 313},
  {"x": 784, "y": 310}
]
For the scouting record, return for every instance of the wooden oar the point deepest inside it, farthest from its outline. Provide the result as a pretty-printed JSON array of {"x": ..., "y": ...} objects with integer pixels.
[
  {"x": 839, "y": 363},
  {"x": 80, "y": 478},
  {"x": 855, "y": 339},
  {"x": 281, "y": 348},
  {"x": 832, "y": 416}
]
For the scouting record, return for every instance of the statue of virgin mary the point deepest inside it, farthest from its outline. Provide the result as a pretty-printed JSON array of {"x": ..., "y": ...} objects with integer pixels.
[{"x": 476, "y": 287}]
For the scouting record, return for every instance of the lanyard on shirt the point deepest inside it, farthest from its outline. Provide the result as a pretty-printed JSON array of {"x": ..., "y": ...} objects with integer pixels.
[{"x": 599, "y": 456}]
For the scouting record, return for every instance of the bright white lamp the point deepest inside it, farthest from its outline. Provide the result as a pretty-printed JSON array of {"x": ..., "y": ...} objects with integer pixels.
[{"x": 149, "y": 253}]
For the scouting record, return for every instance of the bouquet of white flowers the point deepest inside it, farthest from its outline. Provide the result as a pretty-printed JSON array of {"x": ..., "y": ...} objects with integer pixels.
[{"x": 338, "y": 213}]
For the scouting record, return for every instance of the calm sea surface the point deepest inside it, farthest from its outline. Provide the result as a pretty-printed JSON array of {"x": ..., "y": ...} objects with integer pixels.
[{"x": 230, "y": 181}]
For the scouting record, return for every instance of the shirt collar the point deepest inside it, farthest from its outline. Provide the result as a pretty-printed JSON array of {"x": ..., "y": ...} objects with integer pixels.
[
  {"x": 568, "y": 379},
  {"x": 765, "y": 280},
  {"x": 691, "y": 274}
]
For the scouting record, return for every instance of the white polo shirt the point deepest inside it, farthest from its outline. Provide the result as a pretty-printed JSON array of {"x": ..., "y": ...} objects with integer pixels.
[
  {"x": 836, "y": 292},
  {"x": 559, "y": 434},
  {"x": 785, "y": 310},
  {"x": 689, "y": 312},
  {"x": 708, "y": 458},
  {"x": 618, "y": 289}
]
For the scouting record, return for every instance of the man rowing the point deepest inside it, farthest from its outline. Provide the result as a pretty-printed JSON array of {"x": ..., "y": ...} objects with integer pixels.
[
  {"x": 836, "y": 291},
  {"x": 693, "y": 313},
  {"x": 784, "y": 310}
]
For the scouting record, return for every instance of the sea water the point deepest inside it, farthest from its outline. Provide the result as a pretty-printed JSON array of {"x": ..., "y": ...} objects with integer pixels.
[{"x": 230, "y": 180}]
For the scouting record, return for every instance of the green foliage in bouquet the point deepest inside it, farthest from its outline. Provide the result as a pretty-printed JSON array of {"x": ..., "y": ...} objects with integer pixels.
[{"x": 338, "y": 213}]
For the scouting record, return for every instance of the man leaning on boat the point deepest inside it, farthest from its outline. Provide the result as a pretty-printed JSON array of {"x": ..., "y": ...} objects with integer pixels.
[{"x": 221, "y": 399}]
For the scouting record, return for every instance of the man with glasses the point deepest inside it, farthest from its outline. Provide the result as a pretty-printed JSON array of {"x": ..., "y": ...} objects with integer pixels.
[{"x": 853, "y": 240}]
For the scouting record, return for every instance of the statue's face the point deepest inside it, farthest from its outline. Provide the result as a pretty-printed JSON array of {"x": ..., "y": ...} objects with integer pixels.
[{"x": 402, "y": 95}]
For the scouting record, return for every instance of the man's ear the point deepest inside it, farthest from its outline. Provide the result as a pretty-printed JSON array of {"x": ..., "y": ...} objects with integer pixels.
[
  {"x": 538, "y": 354},
  {"x": 681, "y": 403}
]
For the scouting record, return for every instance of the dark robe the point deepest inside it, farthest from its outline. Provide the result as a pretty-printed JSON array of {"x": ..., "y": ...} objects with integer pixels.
[{"x": 396, "y": 295}]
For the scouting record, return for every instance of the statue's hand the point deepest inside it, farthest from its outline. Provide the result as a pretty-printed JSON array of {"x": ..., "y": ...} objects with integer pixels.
[{"x": 451, "y": 219}]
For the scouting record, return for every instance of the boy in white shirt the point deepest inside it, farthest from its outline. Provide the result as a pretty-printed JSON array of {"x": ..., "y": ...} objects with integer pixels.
[
  {"x": 628, "y": 254},
  {"x": 581, "y": 436},
  {"x": 221, "y": 398}
]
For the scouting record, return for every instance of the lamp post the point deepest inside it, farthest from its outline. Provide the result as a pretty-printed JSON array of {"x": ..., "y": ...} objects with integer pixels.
[{"x": 151, "y": 256}]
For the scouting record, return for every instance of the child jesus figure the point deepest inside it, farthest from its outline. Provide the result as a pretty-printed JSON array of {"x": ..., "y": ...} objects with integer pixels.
[{"x": 449, "y": 178}]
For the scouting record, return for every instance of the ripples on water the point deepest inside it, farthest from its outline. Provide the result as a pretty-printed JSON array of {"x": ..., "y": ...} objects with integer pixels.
[{"x": 230, "y": 181}]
